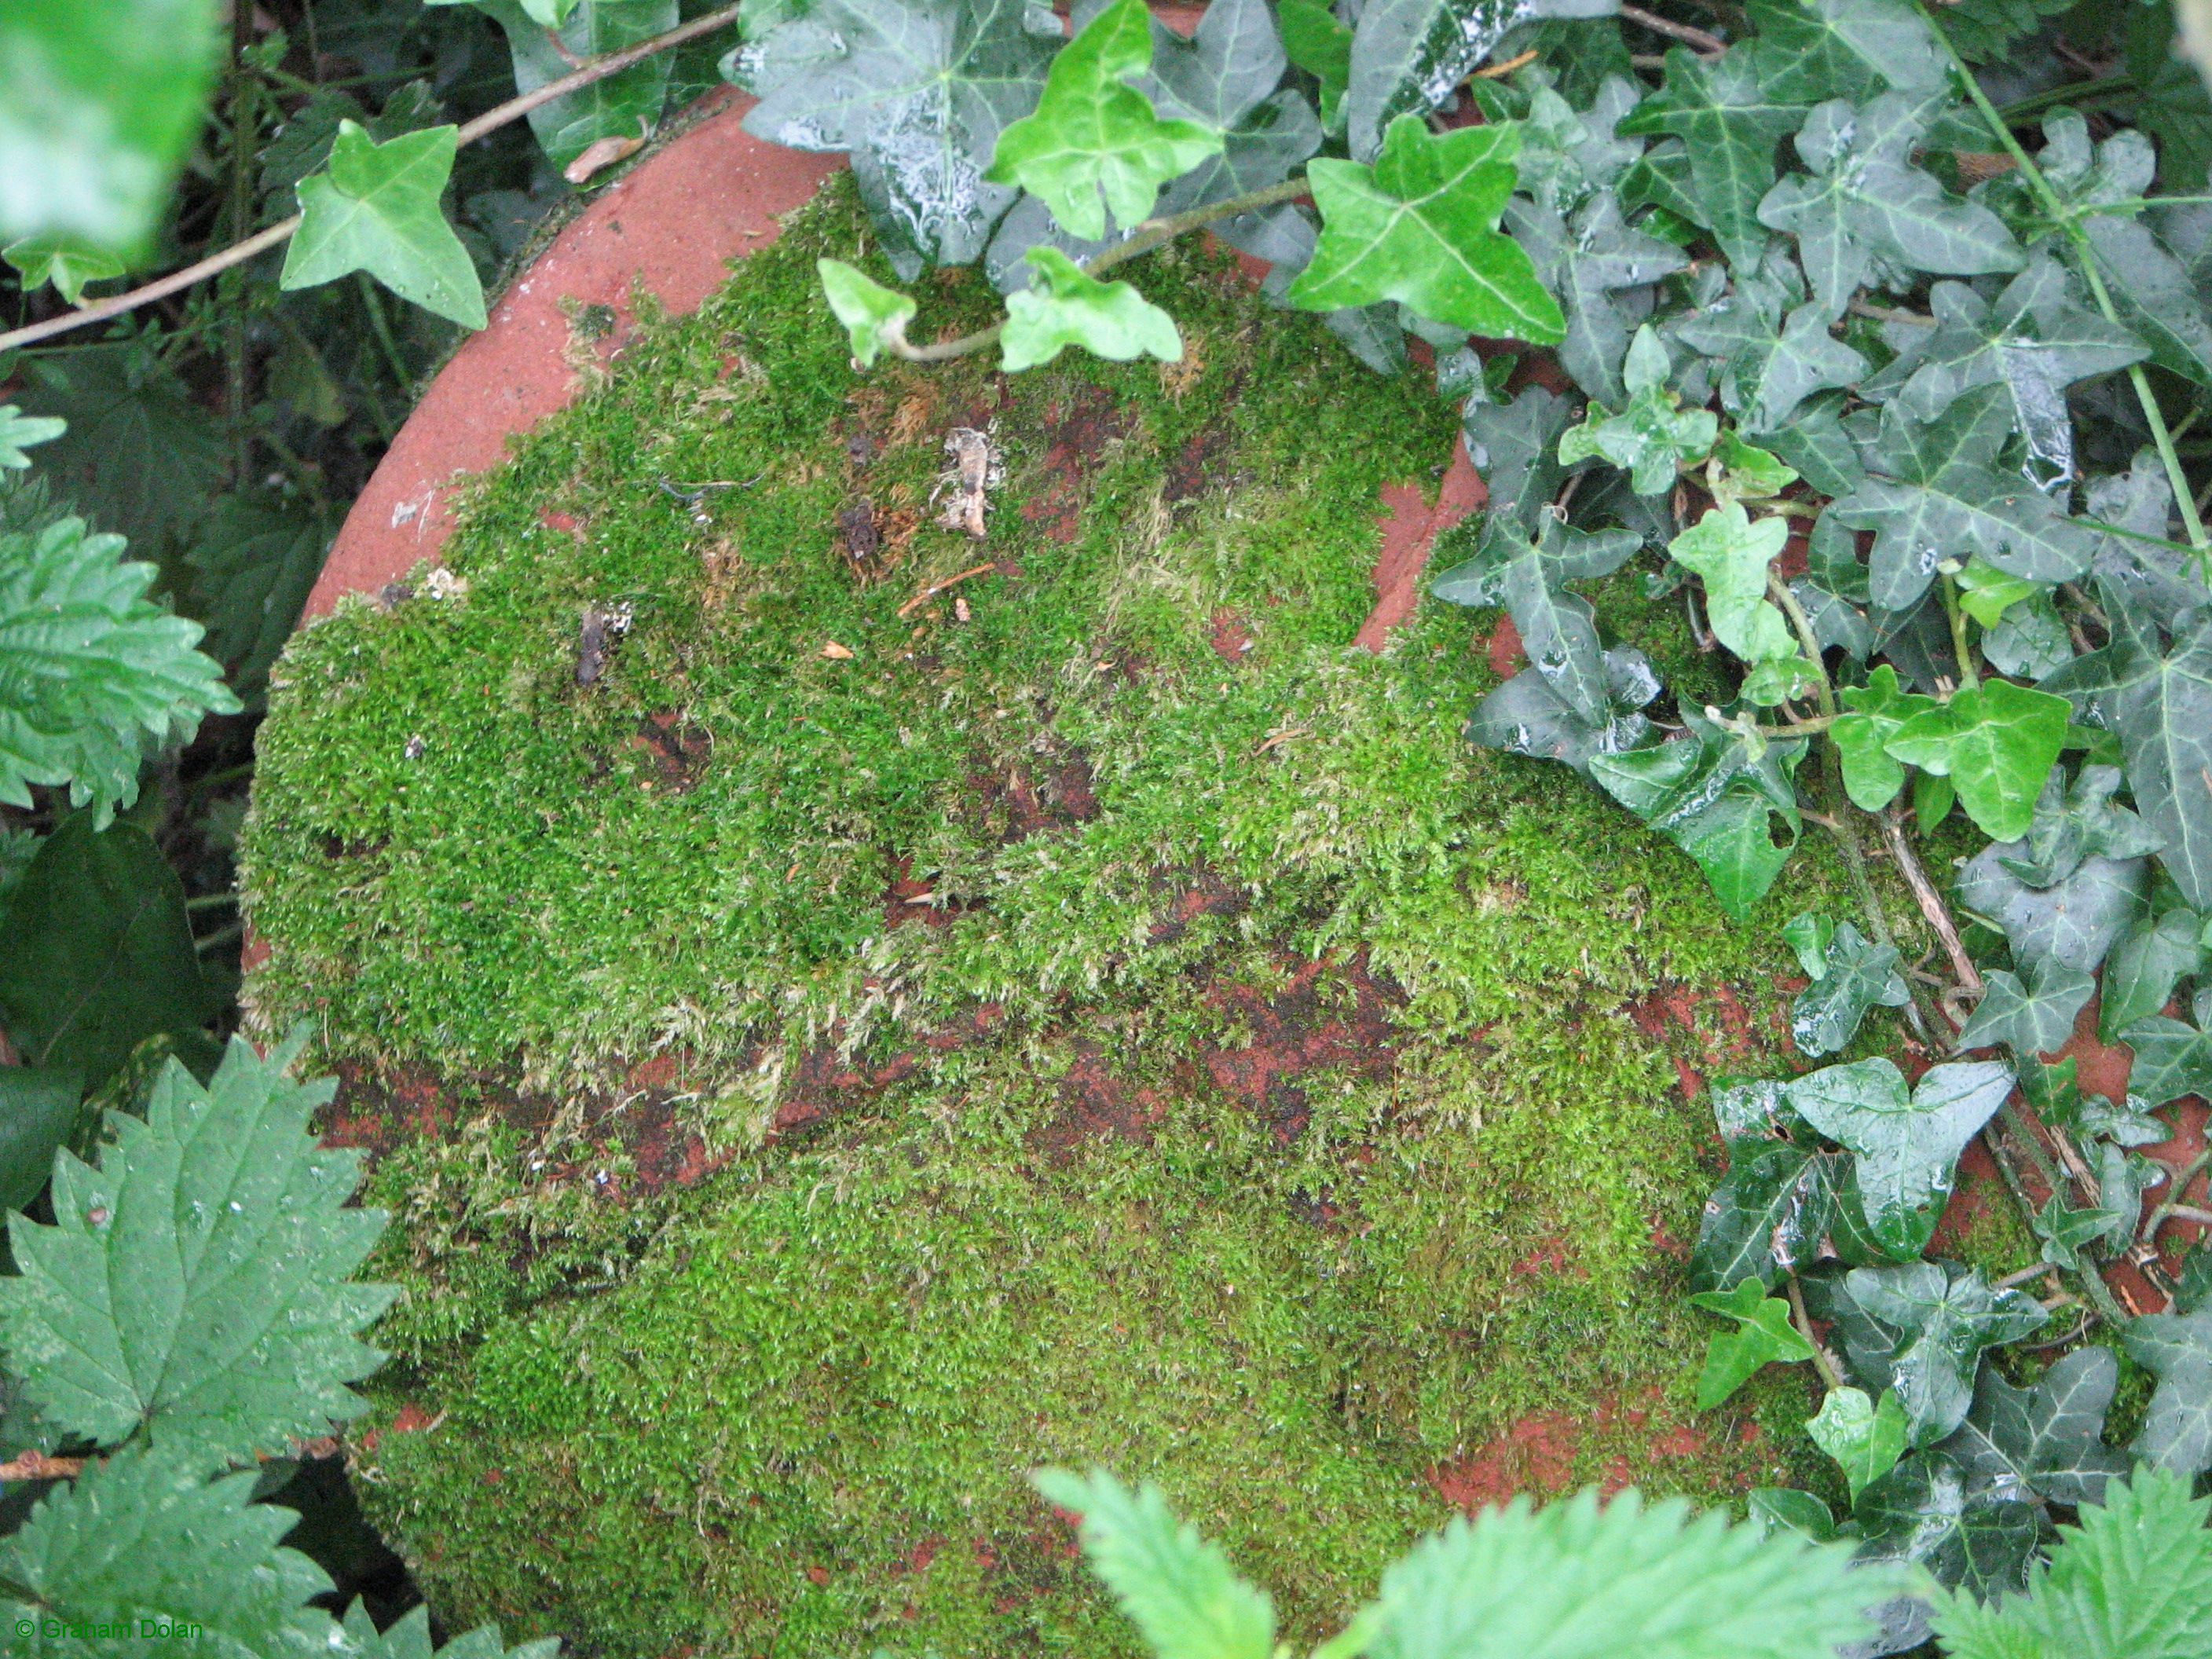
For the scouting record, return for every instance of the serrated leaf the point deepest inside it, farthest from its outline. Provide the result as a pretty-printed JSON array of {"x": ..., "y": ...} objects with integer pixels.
[
  {"x": 140, "y": 458},
  {"x": 253, "y": 563},
  {"x": 2046, "y": 1441},
  {"x": 2132, "y": 1581},
  {"x": 2034, "y": 1018},
  {"x": 1529, "y": 714},
  {"x": 1811, "y": 50},
  {"x": 1179, "y": 1590},
  {"x": 194, "y": 1286},
  {"x": 624, "y": 105},
  {"x": 1936, "y": 1317},
  {"x": 1409, "y": 56},
  {"x": 1733, "y": 555},
  {"x": 377, "y": 210},
  {"x": 1769, "y": 1213},
  {"x": 1854, "y": 976},
  {"x": 1864, "y": 1439},
  {"x": 1619, "y": 1577},
  {"x": 408, "y": 1637},
  {"x": 92, "y": 673},
  {"x": 1729, "y": 125},
  {"x": 1093, "y": 135},
  {"x": 1421, "y": 228},
  {"x": 1064, "y": 306},
  {"x": 874, "y": 316},
  {"x": 918, "y": 92},
  {"x": 1908, "y": 1142},
  {"x": 66, "y": 260},
  {"x": 104, "y": 102},
  {"x": 1997, "y": 742},
  {"x": 20, "y": 432},
  {"x": 1923, "y": 1512},
  {"x": 1763, "y": 1335},
  {"x": 1982, "y": 29},
  {"x": 2074, "y": 921},
  {"x": 138, "y": 1536}
]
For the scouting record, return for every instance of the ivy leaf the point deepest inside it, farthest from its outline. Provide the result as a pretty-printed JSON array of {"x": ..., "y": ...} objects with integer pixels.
[
  {"x": 139, "y": 1534},
  {"x": 1516, "y": 447},
  {"x": 874, "y": 316},
  {"x": 2172, "y": 1059},
  {"x": 1932, "y": 494},
  {"x": 91, "y": 672},
  {"x": 1770, "y": 1213},
  {"x": 1654, "y": 436},
  {"x": 1763, "y": 1333},
  {"x": 1997, "y": 742},
  {"x": 1421, "y": 227},
  {"x": 20, "y": 432},
  {"x": 1865, "y": 1439},
  {"x": 2065, "y": 1233},
  {"x": 1409, "y": 56},
  {"x": 2152, "y": 958},
  {"x": 1938, "y": 1317},
  {"x": 1878, "y": 709},
  {"x": 2132, "y": 1581},
  {"x": 377, "y": 210},
  {"x": 1733, "y": 555},
  {"x": 1765, "y": 380},
  {"x": 2044, "y": 1442},
  {"x": 2077, "y": 821},
  {"x": 1854, "y": 975},
  {"x": 2074, "y": 921},
  {"x": 1908, "y": 1144},
  {"x": 2150, "y": 584},
  {"x": 1729, "y": 125},
  {"x": 1586, "y": 256},
  {"x": 1741, "y": 472},
  {"x": 1066, "y": 305},
  {"x": 1923, "y": 1512},
  {"x": 194, "y": 1286},
  {"x": 1557, "y": 628},
  {"x": 624, "y": 105},
  {"x": 104, "y": 101},
  {"x": 918, "y": 91},
  {"x": 1983, "y": 29},
  {"x": 2177, "y": 1348},
  {"x": 1810, "y": 50},
  {"x": 2152, "y": 292},
  {"x": 1177, "y": 1589},
  {"x": 2029, "y": 1020},
  {"x": 1529, "y": 714},
  {"x": 1321, "y": 45},
  {"x": 1714, "y": 794},
  {"x": 1094, "y": 135},
  {"x": 67, "y": 261}
]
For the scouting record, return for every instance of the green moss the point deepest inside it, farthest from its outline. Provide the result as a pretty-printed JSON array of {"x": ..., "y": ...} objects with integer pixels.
[{"x": 1409, "y": 1219}]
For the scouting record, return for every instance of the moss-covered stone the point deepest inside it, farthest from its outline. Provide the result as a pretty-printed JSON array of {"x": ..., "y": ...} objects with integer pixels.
[{"x": 818, "y": 1085}]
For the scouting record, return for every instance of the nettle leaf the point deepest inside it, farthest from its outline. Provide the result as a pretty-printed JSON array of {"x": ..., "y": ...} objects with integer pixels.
[
  {"x": 1933, "y": 495},
  {"x": 1997, "y": 742},
  {"x": 1409, "y": 56},
  {"x": 104, "y": 101},
  {"x": 2152, "y": 958},
  {"x": 1936, "y": 1317},
  {"x": 2072, "y": 921},
  {"x": 408, "y": 1637},
  {"x": 1618, "y": 1575},
  {"x": 1421, "y": 227},
  {"x": 1865, "y": 1439},
  {"x": 194, "y": 1286},
  {"x": 1729, "y": 124},
  {"x": 1066, "y": 305},
  {"x": 2046, "y": 1441},
  {"x": 1733, "y": 555},
  {"x": 874, "y": 316},
  {"x": 141, "y": 1536},
  {"x": 377, "y": 210},
  {"x": 67, "y": 261},
  {"x": 1763, "y": 1334},
  {"x": 1093, "y": 135},
  {"x": 1530, "y": 715},
  {"x": 20, "y": 432},
  {"x": 2132, "y": 1581},
  {"x": 1908, "y": 1142},
  {"x": 91, "y": 672},
  {"x": 1557, "y": 628},
  {"x": 624, "y": 105},
  {"x": 2036, "y": 1017},
  {"x": 1586, "y": 256},
  {"x": 2172, "y": 1060},
  {"x": 2076, "y": 821},
  {"x": 1854, "y": 975},
  {"x": 1178, "y": 1589},
  {"x": 39, "y": 1108},
  {"x": 1715, "y": 795},
  {"x": 1769, "y": 1213},
  {"x": 1654, "y": 436},
  {"x": 2177, "y": 1348},
  {"x": 1810, "y": 50},
  {"x": 918, "y": 92},
  {"x": 1923, "y": 1512}
]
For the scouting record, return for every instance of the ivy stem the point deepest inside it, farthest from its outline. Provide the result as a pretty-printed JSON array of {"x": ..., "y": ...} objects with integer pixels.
[
  {"x": 1968, "y": 678},
  {"x": 1152, "y": 233},
  {"x": 1711, "y": 45},
  {"x": 2148, "y": 1234},
  {"x": 1823, "y": 1361},
  {"x": 1931, "y": 901},
  {"x": 2085, "y": 255},
  {"x": 2090, "y": 1280}
]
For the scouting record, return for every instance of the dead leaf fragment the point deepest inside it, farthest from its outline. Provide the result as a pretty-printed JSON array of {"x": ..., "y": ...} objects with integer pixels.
[
  {"x": 836, "y": 653},
  {"x": 601, "y": 156}
]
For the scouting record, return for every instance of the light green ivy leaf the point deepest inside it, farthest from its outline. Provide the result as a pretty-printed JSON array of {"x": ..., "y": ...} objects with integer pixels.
[
  {"x": 1762, "y": 1335},
  {"x": 874, "y": 316},
  {"x": 1866, "y": 1438},
  {"x": 377, "y": 210},
  {"x": 1065, "y": 306},
  {"x": 1997, "y": 742},
  {"x": 67, "y": 261},
  {"x": 1733, "y": 554}
]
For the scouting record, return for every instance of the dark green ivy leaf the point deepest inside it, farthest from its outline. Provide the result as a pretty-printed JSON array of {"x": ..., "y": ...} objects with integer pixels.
[
  {"x": 1529, "y": 714},
  {"x": 1923, "y": 1512},
  {"x": 624, "y": 105},
  {"x": 2078, "y": 821},
  {"x": 1557, "y": 628},
  {"x": 1865, "y": 1438},
  {"x": 1516, "y": 447},
  {"x": 2177, "y": 1431},
  {"x": 1811, "y": 50},
  {"x": 1936, "y": 1317},
  {"x": 1729, "y": 125},
  {"x": 1763, "y": 1334},
  {"x": 2032, "y": 1019},
  {"x": 1854, "y": 976},
  {"x": 1585, "y": 257},
  {"x": 1908, "y": 1142},
  {"x": 2152, "y": 293},
  {"x": 2172, "y": 1060},
  {"x": 2074, "y": 921},
  {"x": 2152, "y": 958},
  {"x": 1769, "y": 1214},
  {"x": 1409, "y": 56},
  {"x": 2046, "y": 1441}
]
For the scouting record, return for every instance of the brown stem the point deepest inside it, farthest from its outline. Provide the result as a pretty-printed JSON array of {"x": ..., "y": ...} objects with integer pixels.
[
  {"x": 1823, "y": 1361},
  {"x": 1711, "y": 45},
  {"x": 276, "y": 234},
  {"x": 1929, "y": 900}
]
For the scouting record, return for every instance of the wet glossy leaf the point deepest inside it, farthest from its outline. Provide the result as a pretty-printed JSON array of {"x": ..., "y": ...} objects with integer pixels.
[
  {"x": 2177, "y": 1348},
  {"x": 624, "y": 105},
  {"x": 1409, "y": 56},
  {"x": 1752, "y": 1106},
  {"x": 1588, "y": 258},
  {"x": 1923, "y": 1512},
  {"x": 1854, "y": 976},
  {"x": 1557, "y": 628},
  {"x": 38, "y": 1109},
  {"x": 918, "y": 92},
  {"x": 1872, "y": 776},
  {"x": 195, "y": 1285},
  {"x": 377, "y": 210},
  {"x": 1516, "y": 447},
  {"x": 2152, "y": 292},
  {"x": 2077, "y": 821},
  {"x": 2034, "y": 1018},
  {"x": 1421, "y": 227},
  {"x": 2066, "y": 1232},
  {"x": 1938, "y": 1317},
  {"x": 1799, "y": 1511},
  {"x": 2172, "y": 1059},
  {"x": 1065, "y": 306},
  {"x": 1729, "y": 125},
  {"x": 1093, "y": 135},
  {"x": 1865, "y": 1438},
  {"x": 1770, "y": 1213},
  {"x": 2150, "y": 959},
  {"x": 1762, "y": 1335},
  {"x": 873, "y": 315},
  {"x": 1528, "y": 715},
  {"x": 2074, "y": 921},
  {"x": 1809, "y": 49},
  {"x": 2046, "y": 1441}
]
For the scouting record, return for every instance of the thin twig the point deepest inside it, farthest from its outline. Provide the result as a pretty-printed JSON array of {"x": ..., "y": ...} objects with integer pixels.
[
  {"x": 276, "y": 234},
  {"x": 37, "y": 1466},
  {"x": 1499, "y": 71},
  {"x": 935, "y": 588},
  {"x": 2174, "y": 1195},
  {"x": 1823, "y": 1361},
  {"x": 1929, "y": 900},
  {"x": 1711, "y": 45}
]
